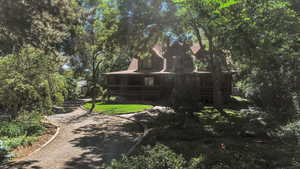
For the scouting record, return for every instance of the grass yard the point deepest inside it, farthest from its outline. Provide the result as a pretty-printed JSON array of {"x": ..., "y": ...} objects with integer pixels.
[{"x": 112, "y": 109}]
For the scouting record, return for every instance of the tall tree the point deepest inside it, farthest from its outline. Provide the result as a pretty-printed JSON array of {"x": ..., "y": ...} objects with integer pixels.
[
  {"x": 265, "y": 44},
  {"x": 260, "y": 36},
  {"x": 207, "y": 19},
  {"x": 96, "y": 44},
  {"x": 144, "y": 23},
  {"x": 43, "y": 24}
]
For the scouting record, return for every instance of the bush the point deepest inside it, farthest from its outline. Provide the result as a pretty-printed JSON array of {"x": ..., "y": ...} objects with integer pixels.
[
  {"x": 158, "y": 157},
  {"x": 26, "y": 81},
  {"x": 3, "y": 151},
  {"x": 72, "y": 89},
  {"x": 273, "y": 91},
  {"x": 29, "y": 81},
  {"x": 161, "y": 157},
  {"x": 12, "y": 143},
  {"x": 27, "y": 124}
]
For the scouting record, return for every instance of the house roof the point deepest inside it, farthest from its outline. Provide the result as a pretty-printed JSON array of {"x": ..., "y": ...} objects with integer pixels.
[
  {"x": 195, "y": 48},
  {"x": 158, "y": 50}
]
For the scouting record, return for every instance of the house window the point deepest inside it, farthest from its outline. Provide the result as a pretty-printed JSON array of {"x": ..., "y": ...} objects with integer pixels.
[
  {"x": 149, "y": 81},
  {"x": 147, "y": 64},
  {"x": 174, "y": 63}
]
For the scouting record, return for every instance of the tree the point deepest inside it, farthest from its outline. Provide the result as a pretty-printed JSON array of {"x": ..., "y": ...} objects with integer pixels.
[
  {"x": 143, "y": 24},
  {"x": 43, "y": 24},
  {"x": 265, "y": 44},
  {"x": 96, "y": 42},
  {"x": 207, "y": 19},
  {"x": 114, "y": 31},
  {"x": 260, "y": 37},
  {"x": 29, "y": 81}
]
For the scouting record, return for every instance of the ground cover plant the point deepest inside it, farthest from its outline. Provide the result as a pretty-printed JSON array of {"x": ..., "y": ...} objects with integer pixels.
[
  {"x": 241, "y": 137},
  {"x": 19, "y": 132},
  {"x": 112, "y": 109}
]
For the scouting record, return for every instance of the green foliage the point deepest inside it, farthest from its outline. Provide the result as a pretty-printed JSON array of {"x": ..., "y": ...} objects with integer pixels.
[
  {"x": 162, "y": 157},
  {"x": 260, "y": 39},
  {"x": 27, "y": 124},
  {"x": 28, "y": 81},
  {"x": 72, "y": 90},
  {"x": 3, "y": 151},
  {"x": 43, "y": 24},
  {"x": 158, "y": 157},
  {"x": 19, "y": 132},
  {"x": 14, "y": 142},
  {"x": 273, "y": 92}
]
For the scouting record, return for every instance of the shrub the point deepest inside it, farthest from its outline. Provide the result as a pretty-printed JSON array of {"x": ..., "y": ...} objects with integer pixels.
[
  {"x": 158, "y": 157},
  {"x": 3, "y": 152},
  {"x": 72, "y": 89},
  {"x": 273, "y": 90},
  {"x": 11, "y": 129},
  {"x": 12, "y": 143},
  {"x": 28, "y": 123},
  {"x": 28, "y": 81}
]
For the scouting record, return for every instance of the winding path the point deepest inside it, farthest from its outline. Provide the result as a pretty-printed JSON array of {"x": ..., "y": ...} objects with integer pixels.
[{"x": 86, "y": 141}]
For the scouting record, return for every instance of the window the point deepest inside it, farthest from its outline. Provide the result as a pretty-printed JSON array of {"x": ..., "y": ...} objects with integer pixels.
[
  {"x": 174, "y": 63},
  {"x": 113, "y": 81},
  {"x": 147, "y": 63},
  {"x": 135, "y": 81},
  {"x": 149, "y": 81}
]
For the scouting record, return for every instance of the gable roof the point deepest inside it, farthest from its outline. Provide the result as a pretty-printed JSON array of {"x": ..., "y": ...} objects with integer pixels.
[{"x": 158, "y": 50}]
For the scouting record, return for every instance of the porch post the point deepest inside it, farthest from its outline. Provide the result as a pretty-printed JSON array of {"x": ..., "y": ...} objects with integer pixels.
[{"x": 124, "y": 84}]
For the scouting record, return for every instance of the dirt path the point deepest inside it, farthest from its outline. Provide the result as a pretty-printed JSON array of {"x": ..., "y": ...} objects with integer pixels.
[{"x": 85, "y": 141}]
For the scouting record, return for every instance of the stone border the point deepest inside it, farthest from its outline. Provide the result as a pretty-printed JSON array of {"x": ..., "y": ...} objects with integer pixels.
[{"x": 45, "y": 144}]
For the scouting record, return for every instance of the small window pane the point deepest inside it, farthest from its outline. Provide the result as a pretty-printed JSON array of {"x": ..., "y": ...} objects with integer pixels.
[
  {"x": 149, "y": 81},
  {"x": 147, "y": 64}
]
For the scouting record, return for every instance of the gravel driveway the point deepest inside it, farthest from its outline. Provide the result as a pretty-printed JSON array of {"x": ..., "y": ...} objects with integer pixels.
[{"x": 86, "y": 141}]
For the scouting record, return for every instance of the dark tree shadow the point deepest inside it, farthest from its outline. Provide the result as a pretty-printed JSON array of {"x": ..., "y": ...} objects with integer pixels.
[
  {"x": 234, "y": 140},
  {"x": 102, "y": 143},
  {"x": 19, "y": 165}
]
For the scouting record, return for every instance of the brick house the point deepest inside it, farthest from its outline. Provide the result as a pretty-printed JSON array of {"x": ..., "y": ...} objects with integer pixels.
[{"x": 153, "y": 77}]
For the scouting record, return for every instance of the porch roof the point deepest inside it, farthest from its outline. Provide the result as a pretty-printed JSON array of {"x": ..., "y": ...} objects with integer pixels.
[
  {"x": 127, "y": 72},
  {"x": 130, "y": 72}
]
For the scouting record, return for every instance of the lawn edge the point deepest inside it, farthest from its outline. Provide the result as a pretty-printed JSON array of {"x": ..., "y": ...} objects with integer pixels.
[{"x": 119, "y": 114}]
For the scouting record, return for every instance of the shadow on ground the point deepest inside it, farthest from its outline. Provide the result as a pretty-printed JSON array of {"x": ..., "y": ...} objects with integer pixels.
[
  {"x": 99, "y": 142},
  {"x": 235, "y": 139},
  {"x": 20, "y": 165},
  {"x": 102, "y": 143}
]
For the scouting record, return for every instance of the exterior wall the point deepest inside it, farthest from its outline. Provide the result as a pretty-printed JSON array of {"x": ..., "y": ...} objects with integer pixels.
[
  {"x": 157, "y": 64},
  {"x": 178, "y": 60},
  {"x": 134, "y": 87}
]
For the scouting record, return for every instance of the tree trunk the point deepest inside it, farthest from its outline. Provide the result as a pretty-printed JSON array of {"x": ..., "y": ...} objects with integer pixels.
[
  {"x": 94, "y": 94},
  {"x": 217, "y": 86},
  {"x": 178, "y": 90},
  {"x": 93, "y": 104},
  {"x": 215, "y": 65}
]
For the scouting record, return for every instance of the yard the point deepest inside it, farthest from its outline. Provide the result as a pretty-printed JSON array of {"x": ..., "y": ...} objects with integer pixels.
[
  {"x": 113, "y": 109},
  {"x": 236, "y": 138}
]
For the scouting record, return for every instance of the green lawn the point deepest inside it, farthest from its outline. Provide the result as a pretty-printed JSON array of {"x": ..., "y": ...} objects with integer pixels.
[{"x": 117, "y": 108}]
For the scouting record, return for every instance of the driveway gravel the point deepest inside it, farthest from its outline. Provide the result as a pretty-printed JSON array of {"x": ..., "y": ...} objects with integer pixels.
[{"x": 86, "y": 141}]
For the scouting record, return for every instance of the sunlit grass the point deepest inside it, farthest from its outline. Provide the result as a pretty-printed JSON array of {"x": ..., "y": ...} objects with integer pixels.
[{"x": 117, "y": 108}]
